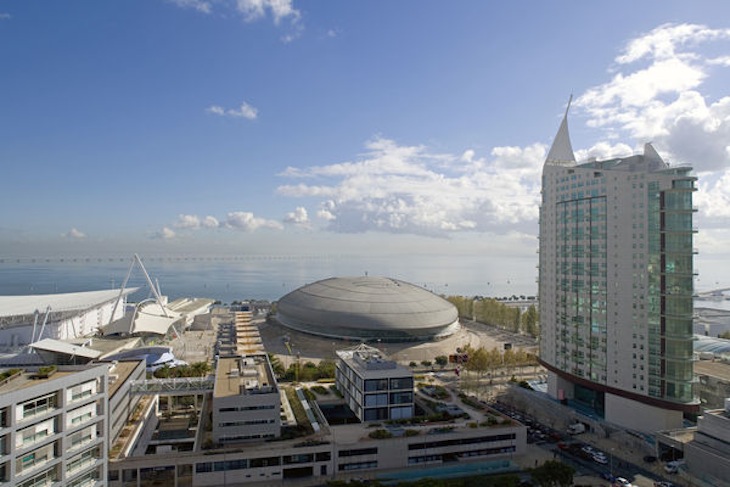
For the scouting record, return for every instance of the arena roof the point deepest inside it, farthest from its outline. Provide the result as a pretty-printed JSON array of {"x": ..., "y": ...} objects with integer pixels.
[
  {"x": 367, "y": 308},
  {"x": 29, "y": 304}
]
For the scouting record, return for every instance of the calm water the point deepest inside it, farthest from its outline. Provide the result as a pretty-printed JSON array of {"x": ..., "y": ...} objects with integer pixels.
[{"x": 265, "y": 277}]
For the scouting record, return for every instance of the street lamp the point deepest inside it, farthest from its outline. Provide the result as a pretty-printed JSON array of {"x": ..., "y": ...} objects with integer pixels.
[{"x": 610, "y": 471}]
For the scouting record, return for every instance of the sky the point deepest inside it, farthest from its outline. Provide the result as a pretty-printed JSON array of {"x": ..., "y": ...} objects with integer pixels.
[{"x": 292, "y": 127}]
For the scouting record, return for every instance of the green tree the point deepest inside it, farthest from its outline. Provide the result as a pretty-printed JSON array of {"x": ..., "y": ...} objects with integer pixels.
[
  {"x": 529, "y": 321},
  {"x": 200, "y": 369},
  {"x": 441, "y": 361},
  {"x": 326, "y": 369},
  {"x": 553, "y": 474},
  {"x": 276, "y": 365}
]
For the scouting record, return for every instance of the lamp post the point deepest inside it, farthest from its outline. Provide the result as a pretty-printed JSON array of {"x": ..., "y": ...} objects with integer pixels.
[{"x": 610, "y": 471}]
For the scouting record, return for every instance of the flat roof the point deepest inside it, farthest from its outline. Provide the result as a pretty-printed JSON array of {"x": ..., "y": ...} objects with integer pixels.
[
  {"x": 122, "y": 370},
  {"x": 369, "y": 362},
  {"x": 29, "y": 304},
  {"x": 237, "y": 375},
  {"x": 30, "y": 378},
  {"x": 712, "y": 368},
  {"x": 65, "y": 348}
]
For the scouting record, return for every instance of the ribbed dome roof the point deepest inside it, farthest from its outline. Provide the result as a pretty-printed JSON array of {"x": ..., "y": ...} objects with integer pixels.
[{"x": 367, "y": 308}]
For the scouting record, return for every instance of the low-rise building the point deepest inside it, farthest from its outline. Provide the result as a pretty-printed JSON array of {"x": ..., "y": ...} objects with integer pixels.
[
  {"x": 246, "y": 400},
  {"x": 708, "y": 455},
  {"x": 374, "y": 387}
]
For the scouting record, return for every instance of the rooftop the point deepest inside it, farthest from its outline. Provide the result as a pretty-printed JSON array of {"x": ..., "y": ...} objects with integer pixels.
[
  {"x": 248, "y": 374},
  {"x": 29, "y": 304},
  {"x": 370, "y": 361},
  {"x": 31, "y": 378}
]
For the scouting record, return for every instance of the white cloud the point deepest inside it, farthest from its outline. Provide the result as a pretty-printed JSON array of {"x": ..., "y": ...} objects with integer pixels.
[
  {"x": 5, "y": 16},
  {"x": 657, "y": 95},
  {"x": 74, "y": 234},
  {"x": 187, "y": 221},
  {"x": 409, "y": 189},
  {"x": 246, "y": 221},
  {"x": 165, "y": 234},
  {"x": 298, "y": 217},
  {"x": 253, "y": 10},
  {"x": 194, "y": 222},
  {"x": 244, "y": 111},
  {"x": 199, "y": 5},
  {"x": 210, "y": 222}
]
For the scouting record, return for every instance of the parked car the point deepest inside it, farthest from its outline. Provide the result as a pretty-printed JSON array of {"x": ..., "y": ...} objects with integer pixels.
[
  {"x": 622, "y": 482},
  {"x": 599, "y": 457}
]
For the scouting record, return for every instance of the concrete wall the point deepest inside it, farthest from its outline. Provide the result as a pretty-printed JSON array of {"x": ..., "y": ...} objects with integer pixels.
[{"x": 640, "y": 417}]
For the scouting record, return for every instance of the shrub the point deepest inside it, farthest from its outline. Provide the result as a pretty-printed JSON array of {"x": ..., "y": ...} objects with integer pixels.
[{"x": 380, "y": 434}]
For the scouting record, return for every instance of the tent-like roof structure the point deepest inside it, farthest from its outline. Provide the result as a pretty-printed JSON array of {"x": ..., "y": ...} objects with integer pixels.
[{"x": 147, "y": 319}]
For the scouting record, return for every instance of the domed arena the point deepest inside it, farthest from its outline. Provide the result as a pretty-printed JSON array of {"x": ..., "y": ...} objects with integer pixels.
[{"x": 368, "y": 309}]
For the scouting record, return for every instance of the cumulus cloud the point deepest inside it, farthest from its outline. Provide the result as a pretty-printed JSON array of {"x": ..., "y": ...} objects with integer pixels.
[
  {"x": 253, "y": 10},
  {"x": 250, "y": 10},
  {"x": 411, "y": 189},
  {"x": 244, "y": 111},
  {"x": 298, "y": 217},
  {"x": 246, "y": 221},
  {"x": 74, "y": 234},
  {"x": 165, "y": 234},
  {"x": 194, "y": 222}
]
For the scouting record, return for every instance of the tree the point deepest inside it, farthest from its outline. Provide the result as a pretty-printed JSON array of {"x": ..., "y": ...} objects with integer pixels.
[
  {"x": 276, "y": 365},
  {"x": 529, "y": 321},
  {"x": 200, "y": 369},
  {"x": 553, "y": 474},
  {"x": 441, "y": 361},
  {"x": 326, "y": 369}
]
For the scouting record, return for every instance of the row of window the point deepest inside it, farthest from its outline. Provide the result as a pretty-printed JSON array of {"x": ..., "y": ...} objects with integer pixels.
[{"x": 245, "y": 423}]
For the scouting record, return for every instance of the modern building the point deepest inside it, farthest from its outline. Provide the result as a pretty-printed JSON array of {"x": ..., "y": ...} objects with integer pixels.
[
  {"x": 63, "y": 316},
  {"x": 616, "y": 285},
  {"x": 54, "y": 426},
  {"x": 246, "y": 400},
  {"x": 708, "y": 455},
  {"x": 368, "y": 309},
  {"x": 374, "y": 387}
]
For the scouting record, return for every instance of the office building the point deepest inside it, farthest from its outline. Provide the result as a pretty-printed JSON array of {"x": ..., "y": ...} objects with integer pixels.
[
  {"x": 616, "y": 285},
  {"x": 54, "y": 426},
  {"x": 246, "y": 400},
  {"x": 374, "y": 387}
]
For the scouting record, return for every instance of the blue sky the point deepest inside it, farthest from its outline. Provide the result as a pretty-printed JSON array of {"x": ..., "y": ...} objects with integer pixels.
[{"x": 283, "y": 126}]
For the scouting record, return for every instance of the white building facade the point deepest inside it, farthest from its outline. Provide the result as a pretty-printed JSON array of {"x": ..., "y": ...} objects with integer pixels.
[
  {"x": 246, "y": 400},
  {"x": 53, "y": 429},
  {"x": 616, "y": 285}
]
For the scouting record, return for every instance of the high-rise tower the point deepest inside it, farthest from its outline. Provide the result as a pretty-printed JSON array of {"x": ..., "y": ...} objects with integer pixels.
[{"x": 616, "y": 285}]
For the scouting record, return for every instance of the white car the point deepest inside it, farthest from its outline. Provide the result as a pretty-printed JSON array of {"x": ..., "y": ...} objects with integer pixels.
[
  {"x": 622, "y": 482},
  {"x": 600, "y": 458}
]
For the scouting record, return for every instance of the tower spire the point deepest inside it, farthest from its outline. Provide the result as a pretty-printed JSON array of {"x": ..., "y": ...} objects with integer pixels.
[{"x": 561, "y": 152}]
